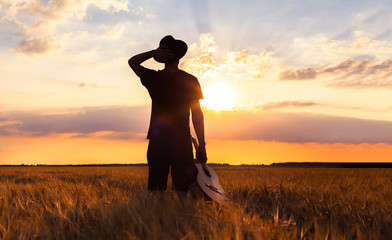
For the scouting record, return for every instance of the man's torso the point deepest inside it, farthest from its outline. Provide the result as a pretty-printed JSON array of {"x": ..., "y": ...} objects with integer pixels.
[{"x": 171, "y": 95}]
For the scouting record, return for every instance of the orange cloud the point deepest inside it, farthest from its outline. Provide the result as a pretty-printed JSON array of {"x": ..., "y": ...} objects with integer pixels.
[
  {"x": 58, "y": 10},
  {"x": 87, "y": 85},
  {"x": 123, "y": 122},
  {"x": 232, "y": 66},
  {"x": 363, "y": 42},
  {"x": 275, "y": 105},
  {"x": 38, "y": 21},
  {"x": 299, "y": 74},
  {"x": 296, "y": 127},
  {"x": 38, "y": 45},
  {"x": 347, "y": 63},
  {"x": 126, "y": 123}
]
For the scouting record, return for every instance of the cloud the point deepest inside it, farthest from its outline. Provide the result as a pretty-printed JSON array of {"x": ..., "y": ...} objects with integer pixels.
[
  {"x": 37, "y": 21},
  {"x": 38, "y": 45},
  {"x": 205, "y": 61},
  {"x": 82, "y": 84},
  {"x": 9, "y": 127},
  {"x": 118, "y": 121},
  {"x": 322, "y": 49},
  {"x": 296, "y": 127},
  {"x": 298, "y": 74},
  {"x": 361, "y": 70},
  {"x": 126, "y": 135},
  {"x": 122, "y": 122},
  {"x": 205, "y": 47},
  {"x": 361, "y": 74},
  {"x": 58, "y": 10},
  {"x": 347, "y": 74},
  {"x": 275, "y": 105}
]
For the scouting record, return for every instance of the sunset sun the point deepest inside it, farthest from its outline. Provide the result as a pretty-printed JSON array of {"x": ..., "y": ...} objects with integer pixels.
[{"x": 219, "y": 96}]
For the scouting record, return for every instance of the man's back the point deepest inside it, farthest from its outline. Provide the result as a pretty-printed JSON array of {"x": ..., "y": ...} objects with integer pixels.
[{"x": 171, "y": 94}]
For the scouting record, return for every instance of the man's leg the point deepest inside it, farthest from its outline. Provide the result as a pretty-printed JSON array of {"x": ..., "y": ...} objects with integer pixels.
[
  {"x": 158, "y": 165},
  {"x": 182, "y": 166}
]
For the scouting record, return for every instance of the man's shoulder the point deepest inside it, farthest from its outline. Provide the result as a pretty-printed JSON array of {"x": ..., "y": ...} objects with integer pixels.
[
  {"x": 148, "y": 70},
  {"x": 188, "y": 75},
  {"x": 150, "y": 74}
]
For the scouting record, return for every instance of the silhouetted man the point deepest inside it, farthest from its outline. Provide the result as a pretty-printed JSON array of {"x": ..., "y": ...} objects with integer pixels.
[{"x": 174, "y": 94}]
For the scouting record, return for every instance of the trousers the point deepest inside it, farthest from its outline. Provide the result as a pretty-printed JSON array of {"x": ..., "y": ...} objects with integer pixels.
[{"x": 176, "y": 157}]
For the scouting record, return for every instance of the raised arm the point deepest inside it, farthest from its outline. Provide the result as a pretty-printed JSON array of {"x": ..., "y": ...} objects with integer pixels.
[
  {"x": 136, "y": 61},
  {"x": 198, "y": 123}
]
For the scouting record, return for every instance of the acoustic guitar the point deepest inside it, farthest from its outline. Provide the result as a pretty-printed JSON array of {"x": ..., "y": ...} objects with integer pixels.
[{"x": 207, "y": 181}]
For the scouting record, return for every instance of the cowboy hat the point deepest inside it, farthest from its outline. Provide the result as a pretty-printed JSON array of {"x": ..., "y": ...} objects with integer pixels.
[{"x": 178, "y": 48}]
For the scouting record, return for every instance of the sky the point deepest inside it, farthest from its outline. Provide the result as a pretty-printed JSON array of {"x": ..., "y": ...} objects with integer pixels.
[{"x": 283, "y": 81}]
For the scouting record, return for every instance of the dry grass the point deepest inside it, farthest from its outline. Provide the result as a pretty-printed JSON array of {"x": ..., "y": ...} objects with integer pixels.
[{"x": 265, "y": 203}]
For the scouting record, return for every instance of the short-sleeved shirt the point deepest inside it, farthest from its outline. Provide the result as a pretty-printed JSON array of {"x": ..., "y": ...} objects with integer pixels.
[{"x": 171, "y": 94}]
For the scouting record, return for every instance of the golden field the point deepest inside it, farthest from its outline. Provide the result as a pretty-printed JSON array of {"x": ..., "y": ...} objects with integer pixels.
[{"x": 264, "y": 203}]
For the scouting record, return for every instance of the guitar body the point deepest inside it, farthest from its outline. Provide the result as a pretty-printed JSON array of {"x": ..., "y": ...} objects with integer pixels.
[
  {"x": 207, "y": 182},
  {"x": 210, "y": 185}
]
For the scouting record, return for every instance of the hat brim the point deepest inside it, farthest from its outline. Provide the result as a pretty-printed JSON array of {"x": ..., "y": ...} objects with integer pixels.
[{"x": 178, "y": 48}]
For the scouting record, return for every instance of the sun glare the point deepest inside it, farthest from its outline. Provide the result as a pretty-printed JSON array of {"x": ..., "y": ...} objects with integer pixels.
[{"x": 219, "y": 96}]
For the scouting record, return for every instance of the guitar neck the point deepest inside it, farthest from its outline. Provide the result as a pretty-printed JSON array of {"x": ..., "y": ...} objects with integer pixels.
[{"x": 195, "y": 144}]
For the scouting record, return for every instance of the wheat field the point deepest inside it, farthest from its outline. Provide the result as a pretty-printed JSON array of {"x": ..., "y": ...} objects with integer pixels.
[{"x": 264, "y": 203}]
